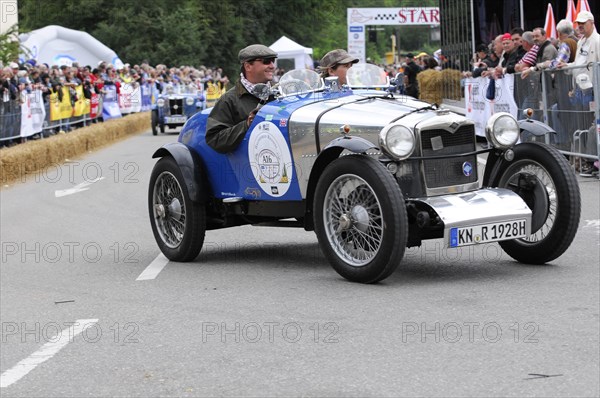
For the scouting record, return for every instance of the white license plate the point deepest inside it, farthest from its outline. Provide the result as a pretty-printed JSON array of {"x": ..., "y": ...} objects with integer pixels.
[
  {"x": 493, "y": 232},
  {"x": 175, "y": 119}
]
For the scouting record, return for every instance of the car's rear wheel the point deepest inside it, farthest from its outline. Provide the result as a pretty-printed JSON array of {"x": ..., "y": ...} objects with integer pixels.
[
  {"x": 154, "y": 122},
  {"x": 541, "y": 175},
  {"x": 178, "y": 223},
  {"x": 360, "y": 219}
]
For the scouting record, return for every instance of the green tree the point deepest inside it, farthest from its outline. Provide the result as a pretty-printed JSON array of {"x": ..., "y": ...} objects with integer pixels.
[
  {"x": 10, "y": 46},
  {"x": 208, "y": 32}
]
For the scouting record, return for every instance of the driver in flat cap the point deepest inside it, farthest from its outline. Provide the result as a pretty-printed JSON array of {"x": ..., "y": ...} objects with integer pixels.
[{"x": 233, "y": 113}]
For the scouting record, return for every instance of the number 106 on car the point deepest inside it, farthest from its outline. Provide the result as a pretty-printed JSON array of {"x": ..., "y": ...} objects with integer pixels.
[{"x": 463, "y": 236}]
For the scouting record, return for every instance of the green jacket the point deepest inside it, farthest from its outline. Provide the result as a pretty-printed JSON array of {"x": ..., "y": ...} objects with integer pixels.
[{"x": 226, "y": 125}]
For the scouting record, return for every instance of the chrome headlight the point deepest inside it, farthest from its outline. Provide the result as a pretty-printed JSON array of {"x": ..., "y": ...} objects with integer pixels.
[
  {"x": 189, "y": 101},
  {"x": 160, "y": 102},
  {"x": 502, "y": 130},
  {"x": 397, "y": 141}
]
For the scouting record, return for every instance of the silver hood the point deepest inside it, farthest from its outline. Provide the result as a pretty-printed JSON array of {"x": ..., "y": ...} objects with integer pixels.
[{"x": 366, "y": 116}]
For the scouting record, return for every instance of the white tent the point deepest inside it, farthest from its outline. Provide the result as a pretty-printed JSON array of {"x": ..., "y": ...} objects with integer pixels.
[
  {"x": 56, "y": 45},
  {"x": 289, "y": 49}
]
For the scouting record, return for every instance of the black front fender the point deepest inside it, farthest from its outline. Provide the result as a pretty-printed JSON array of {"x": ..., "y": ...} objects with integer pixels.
[
  {"x": 534, "y": 127},
  {"x": 353, "y": 144},
  {"x": 191, "y": 166},
  {"x": 330, "y": 153}
]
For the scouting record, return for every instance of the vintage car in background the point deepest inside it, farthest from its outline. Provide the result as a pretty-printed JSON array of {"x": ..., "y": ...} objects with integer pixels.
[
  {"x": 371, "y": 172},
  {"x": 175, "y": 105}
]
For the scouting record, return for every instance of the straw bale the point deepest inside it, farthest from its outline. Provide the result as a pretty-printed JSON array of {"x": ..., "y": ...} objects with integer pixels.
[
  {"x": 451, "y": 84},
  {"x": 430, "y": 86},
  {"x": 33, "y": 156}
]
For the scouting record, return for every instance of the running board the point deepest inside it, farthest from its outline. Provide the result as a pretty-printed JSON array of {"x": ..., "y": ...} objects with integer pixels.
[{"x": 281, "y": 223}]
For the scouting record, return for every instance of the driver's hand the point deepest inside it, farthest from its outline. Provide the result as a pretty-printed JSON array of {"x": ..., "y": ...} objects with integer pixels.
[{"x": 251, "y": 116}]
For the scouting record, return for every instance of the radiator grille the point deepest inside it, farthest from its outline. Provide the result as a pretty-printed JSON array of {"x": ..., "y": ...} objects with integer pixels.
[
  {"x": 176, "y": 106},
  {"x": 449, "y": 171}
]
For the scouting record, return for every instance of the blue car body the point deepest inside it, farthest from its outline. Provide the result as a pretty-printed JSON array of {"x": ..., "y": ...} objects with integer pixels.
[{"x": 371, "y": 172}]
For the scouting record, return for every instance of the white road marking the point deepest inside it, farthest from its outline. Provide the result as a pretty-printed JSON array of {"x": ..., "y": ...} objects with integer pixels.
[
  {"x": 592, "y": 224},
  {"x": 77, "y": 188},
  {"x": 154, "y": 268},
  {"x": 47, "y": 351}
]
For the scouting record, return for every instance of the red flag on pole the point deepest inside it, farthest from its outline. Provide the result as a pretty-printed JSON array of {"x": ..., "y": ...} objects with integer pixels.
[
  {"x": 582, "y": 5},
  {"x": 550, "y": 24},
  {"x": 571, "y": 11}
]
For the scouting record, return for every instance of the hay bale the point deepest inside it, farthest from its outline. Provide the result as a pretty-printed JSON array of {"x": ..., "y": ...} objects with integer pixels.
[
  {"x": 451, "y": 84},
  {"x": 33, "y": 156},
  {"x": 430, "y": 86}
]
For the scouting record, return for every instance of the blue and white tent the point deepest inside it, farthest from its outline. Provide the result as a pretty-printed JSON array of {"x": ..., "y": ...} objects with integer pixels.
[{"x": 55, "y": 45}]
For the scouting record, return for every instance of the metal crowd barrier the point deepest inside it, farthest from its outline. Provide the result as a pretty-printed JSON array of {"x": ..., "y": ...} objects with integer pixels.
[
  {"x": 11, "y": 113},
  {"x": 564, "y": 99},
  {"x": 10, "y": 119}
]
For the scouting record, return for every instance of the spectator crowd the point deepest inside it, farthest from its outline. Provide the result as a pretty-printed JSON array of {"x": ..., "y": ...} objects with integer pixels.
[
  {"x": 17, "y": 79},
  {"x": 555, "y": 74}
]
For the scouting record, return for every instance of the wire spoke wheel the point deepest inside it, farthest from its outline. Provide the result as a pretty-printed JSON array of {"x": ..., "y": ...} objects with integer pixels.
[
  {"x": 534, "y": 169},
  {"x": 542, "y": 177},
  {"x": 178, "y": 223},
  {"x": 360, "y": 218},
  {"x": 353, "y": 220},
  {"x": 169, "y": 209}
]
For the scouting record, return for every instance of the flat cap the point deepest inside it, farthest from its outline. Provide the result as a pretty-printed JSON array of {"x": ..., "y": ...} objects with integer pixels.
[
  {"x": 337, "y": 57},
  {"x": 255, "y": 51}
]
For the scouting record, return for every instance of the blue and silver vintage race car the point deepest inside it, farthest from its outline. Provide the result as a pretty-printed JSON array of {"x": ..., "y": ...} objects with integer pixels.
[
  {"x": 175, "y": 105},
  {"x": 371, "y": 172}
]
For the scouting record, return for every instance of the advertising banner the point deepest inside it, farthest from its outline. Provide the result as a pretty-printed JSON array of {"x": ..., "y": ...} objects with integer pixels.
[
  {"x": 54, "y": 107},
  {"x": 82, "y": 105},
  {"x": 110, "y": 106},
  {"x": 479, "y": 108},
  {"x": 66, "y": 109},
  {"x": 26, "y": 119},
  {"x": 136, "y": 99},
  {"x": 146, "y": 97},
  {"x": 94, "y": 106},
  {"x": 38, "y": 110}
]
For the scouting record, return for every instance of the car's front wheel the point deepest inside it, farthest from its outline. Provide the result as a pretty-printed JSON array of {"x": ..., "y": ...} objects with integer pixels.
[
  {"x": 541, "y": 175},
  {"x": 178, "y": 223},
  {"x": 360, "y": 219}
]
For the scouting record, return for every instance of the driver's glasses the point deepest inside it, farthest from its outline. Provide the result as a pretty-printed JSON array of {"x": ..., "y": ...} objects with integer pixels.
[
  {"x": 265, "y": 61},
  {"x": 346, "y": 65}
]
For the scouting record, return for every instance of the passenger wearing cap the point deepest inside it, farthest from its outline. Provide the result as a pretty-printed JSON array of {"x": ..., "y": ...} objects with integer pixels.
[
  {"x": 235, "y": 110},
  {"x": 336, "y": 63}
]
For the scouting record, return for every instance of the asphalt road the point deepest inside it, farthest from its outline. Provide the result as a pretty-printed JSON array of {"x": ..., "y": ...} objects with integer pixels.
[{"x": 261, "y": 313}]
